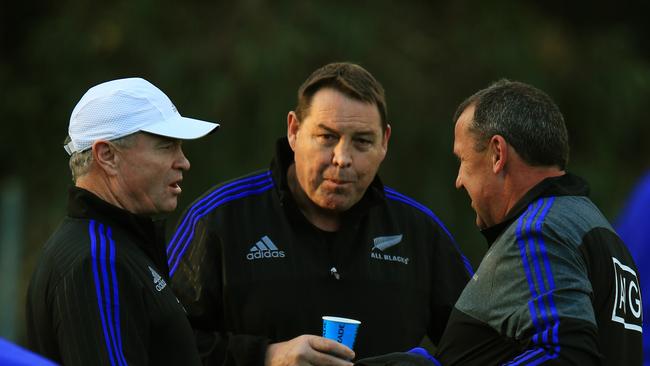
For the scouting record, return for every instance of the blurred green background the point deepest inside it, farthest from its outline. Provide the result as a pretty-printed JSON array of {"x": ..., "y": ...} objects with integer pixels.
[{"x": 240, "y": 64}]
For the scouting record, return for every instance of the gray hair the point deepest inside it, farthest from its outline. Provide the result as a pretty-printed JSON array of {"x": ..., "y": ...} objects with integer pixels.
[
  {"x": 525, "y": 116},
  {"x": 80, "y": 161}
]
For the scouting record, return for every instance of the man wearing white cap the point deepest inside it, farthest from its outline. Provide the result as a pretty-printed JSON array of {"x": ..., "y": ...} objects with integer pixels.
[{"x": 99, "y": 295}]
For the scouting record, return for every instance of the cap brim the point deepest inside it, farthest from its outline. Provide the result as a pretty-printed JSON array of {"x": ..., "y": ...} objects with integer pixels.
[{"x": 182, "y": 128}]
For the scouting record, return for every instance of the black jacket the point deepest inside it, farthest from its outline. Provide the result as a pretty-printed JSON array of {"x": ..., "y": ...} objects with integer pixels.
[
  {"x": 246, "y": 263},
  {"x": 100, "y": 293},
  {"x": 556, "y": 287}
]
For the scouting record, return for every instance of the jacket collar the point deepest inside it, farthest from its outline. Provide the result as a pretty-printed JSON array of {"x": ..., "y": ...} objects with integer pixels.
[
  {"x": 280, "y": 165},
  {"x": 148, "y": 234},
  {"x": 564, "y": 185}
]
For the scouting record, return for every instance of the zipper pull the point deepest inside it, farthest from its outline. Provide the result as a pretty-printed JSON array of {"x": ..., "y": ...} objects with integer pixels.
[{"x": 335, "y": 273}]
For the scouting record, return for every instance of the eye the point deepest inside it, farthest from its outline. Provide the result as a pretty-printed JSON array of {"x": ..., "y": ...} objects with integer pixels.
[
  {"x": 363, "y": 143},
  {"x": 169, "y": 145},
  {"x": 327, "y": 137}
]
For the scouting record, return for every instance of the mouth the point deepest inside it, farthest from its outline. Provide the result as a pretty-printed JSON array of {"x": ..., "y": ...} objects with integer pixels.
[
  {"x": 336, "y": 184},
  {"x": 176, "y": 186},
  {"x": 338, "y": 181}
]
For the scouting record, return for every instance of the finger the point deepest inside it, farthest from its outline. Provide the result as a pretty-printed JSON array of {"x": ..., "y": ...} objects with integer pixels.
[
  {"x": 331, "y": 347},
  {"x": 317, "y": 358}
]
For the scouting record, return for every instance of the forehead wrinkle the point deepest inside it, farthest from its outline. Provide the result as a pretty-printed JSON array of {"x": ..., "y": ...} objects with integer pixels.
[
  {"x": 330, "y": 109},
  {"x": 341, "y": 115},
  {"x": 366, "y": 132}
]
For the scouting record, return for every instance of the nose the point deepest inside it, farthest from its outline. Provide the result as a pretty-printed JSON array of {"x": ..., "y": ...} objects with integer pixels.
[
  {"x": 459, "y": 183},
  {"x": 181, "y": 161},
  {"x": 341, "y": 156}
]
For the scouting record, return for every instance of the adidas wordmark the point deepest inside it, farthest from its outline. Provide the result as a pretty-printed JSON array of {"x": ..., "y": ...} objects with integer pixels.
[{"x": 264, "y": 248}]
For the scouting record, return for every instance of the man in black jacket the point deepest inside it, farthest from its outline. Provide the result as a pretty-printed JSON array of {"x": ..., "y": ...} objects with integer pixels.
[
  {"x": 557, "y": 285},
  {"x": 100, "y": 294},
  {"x": 262, "y": 258}
]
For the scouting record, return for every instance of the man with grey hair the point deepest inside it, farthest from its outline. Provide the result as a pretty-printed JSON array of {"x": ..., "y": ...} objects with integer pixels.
[
  {"x": 99, "y": 294},
  {"x": 557, "y": 285}
]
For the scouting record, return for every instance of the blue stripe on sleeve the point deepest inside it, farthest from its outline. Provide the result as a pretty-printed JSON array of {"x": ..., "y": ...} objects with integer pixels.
[
  {"x": 195, "y": 209},
  {"x": 532, "y": 357},
  {"x": 549, "y": 274},
  {"x": 531, "y": 243},
  {"x": 105, "y": 275},
  {"x": 541, "y": 360},
  {"x": 226, "y": 196},
  {"x": 526, "y": 356},
  {"x": 108, "y": 301},
  {"x": 539, "y": 258},
  {"x": 539, "y": 288},
  {"x": 394, "y": 195},
  {"x": 116, "y": 307},
  {"x": 519, "y": 235},
  {"x": 98, "y": 289},
  {"x": 410, "y": 201}
]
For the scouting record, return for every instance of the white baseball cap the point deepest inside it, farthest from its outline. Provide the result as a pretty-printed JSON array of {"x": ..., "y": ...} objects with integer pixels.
[{"x": 121, "y": 107}]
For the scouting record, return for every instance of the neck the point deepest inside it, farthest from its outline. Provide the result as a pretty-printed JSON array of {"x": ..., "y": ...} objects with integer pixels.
[
  {"x": 326, "y": 220},
  {"x": 527, "y": 177},
  {"x": 100, "y": 187}
]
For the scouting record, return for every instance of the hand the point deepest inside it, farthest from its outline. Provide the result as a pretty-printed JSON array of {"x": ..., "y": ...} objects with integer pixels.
[{"x": 308, "y": 350}]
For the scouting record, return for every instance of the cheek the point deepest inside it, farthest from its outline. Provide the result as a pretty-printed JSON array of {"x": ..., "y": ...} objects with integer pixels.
[
  {"x": 368, "y": 162},
  {"x": 468, "y": 175},
  {"x": 149, "y": 177},
  {"x": 473, "y": 188},
  {"x": 313, "y": 162},
  {"x": 308, "y": 173}
]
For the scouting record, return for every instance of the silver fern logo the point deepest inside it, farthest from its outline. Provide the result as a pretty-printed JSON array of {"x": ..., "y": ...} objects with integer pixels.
[{"x": 384, "y": 242}]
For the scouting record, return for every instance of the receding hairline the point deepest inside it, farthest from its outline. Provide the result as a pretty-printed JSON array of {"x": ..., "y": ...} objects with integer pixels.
[
  {"x": 349, "y": 79},
  {"x": 339, "y": 94}
]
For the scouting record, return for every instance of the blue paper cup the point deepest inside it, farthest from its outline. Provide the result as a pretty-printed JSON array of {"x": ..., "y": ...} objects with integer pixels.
[{"x": 342, "y": 330}]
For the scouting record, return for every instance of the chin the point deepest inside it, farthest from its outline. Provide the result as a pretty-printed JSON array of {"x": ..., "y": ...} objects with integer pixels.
[
  {"x": 335, "y": 206},
  {"x": 169, "y": 207}
]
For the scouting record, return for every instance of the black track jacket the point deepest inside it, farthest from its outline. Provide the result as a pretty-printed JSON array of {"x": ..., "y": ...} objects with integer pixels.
[
  {"x": 246, "y": 263},
  {"x": 99, "y": 295},
  {"x": 556, "y": 287}
]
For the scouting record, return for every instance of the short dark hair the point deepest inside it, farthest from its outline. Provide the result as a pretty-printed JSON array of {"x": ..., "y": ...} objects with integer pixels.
[
  {"x": 525, "y": 116},
  {"x": 350, "y": 79}
]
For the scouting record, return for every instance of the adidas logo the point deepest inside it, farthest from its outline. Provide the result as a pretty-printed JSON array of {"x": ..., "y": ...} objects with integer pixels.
[
  {"x": 264, "y": 248},
  {"x": 157, "y": 280}
]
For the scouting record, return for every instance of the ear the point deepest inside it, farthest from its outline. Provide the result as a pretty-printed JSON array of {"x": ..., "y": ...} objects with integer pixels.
[
  {"x": 386, "y": 137},
  {"x": 499, "y": 151},
  {"x": 293, "y": 125},
  {"x": 105, "y": 157}
]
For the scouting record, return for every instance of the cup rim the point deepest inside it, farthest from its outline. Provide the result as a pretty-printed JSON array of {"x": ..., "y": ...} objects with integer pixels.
[{"x": 341, "y": 320}]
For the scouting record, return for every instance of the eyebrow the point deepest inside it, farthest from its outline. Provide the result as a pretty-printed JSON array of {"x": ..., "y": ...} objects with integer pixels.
[
  {"x": 163, "y": 140},
  {"x": 359, "y": 133}
]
